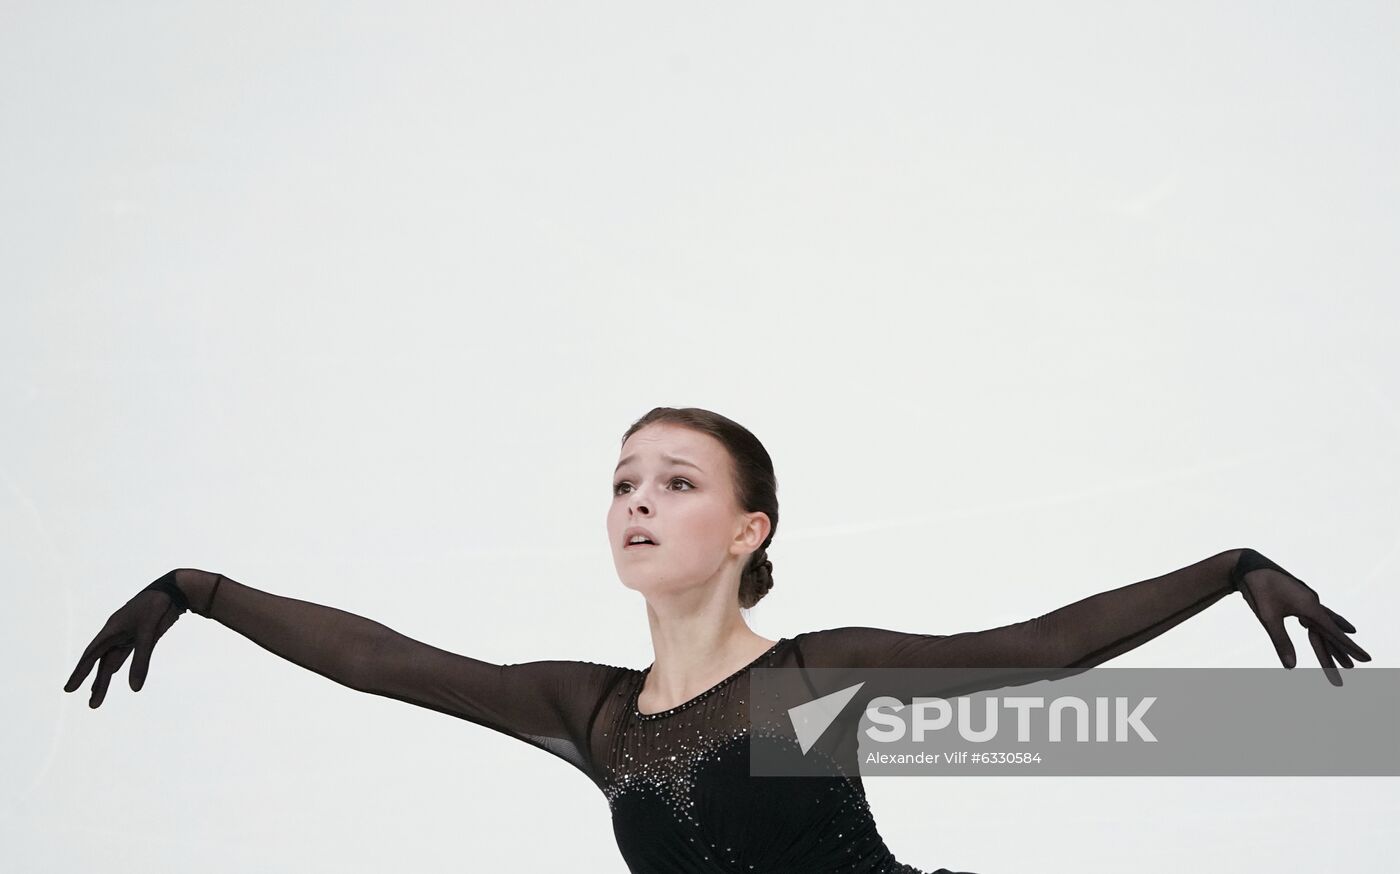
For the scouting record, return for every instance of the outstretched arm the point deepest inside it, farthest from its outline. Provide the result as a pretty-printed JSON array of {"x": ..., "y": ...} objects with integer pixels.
[
  {"x": 1100, "y": 627},
  {"x": 546, "y": 703}
]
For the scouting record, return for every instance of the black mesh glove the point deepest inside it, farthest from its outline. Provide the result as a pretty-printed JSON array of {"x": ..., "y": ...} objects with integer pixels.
[
  {"x": 1273, "y": 593},
  {"x": 136, "y": 626}
]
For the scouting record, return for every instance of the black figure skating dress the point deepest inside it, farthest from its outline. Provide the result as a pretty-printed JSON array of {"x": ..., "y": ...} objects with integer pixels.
[{"x": 677, "y": 781}]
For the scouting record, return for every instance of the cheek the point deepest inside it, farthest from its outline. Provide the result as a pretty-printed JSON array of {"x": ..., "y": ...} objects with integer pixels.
[{"x": 707, "y": 528}]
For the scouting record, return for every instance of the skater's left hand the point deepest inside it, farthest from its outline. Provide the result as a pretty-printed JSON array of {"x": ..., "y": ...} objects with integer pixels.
[{"x": 1272, "y": 595}]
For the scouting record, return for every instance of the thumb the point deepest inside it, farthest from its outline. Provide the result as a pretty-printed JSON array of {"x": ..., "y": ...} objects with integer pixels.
[{"x": 1282, "y": 644}]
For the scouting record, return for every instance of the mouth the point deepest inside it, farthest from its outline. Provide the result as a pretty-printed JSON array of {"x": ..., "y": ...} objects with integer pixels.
[
  {"x": 640, "y": 535},
  {"x": 632, "y": 546}
]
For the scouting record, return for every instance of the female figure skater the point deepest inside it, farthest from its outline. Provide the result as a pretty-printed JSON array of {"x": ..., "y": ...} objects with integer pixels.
[{"x": 694, "y": 508}]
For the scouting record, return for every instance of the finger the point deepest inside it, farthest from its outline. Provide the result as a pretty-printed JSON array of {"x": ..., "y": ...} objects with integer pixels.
[
  {"x": 1329, "y": 626},
  {"x": 1279, "y": 635},
  {"x": 1325, "y": 623},
  {"x": 1341, "y": 620},
  {"x": 1341, "y": 657},
  {"x": 1324, "y": 657},
  {"x": 86, "y": 661},
  {"x": 1334, "y": 649},
  {"x": 145, "y": 641},
  {"x": 111, "y": 661},
  {"x": 80, "y": 672},
  {"x": 1352, "y": 647},
  {"x": 145, "y": 645}
]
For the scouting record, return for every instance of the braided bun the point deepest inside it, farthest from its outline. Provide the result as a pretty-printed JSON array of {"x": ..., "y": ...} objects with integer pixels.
[{"x": 757, "y": 579}]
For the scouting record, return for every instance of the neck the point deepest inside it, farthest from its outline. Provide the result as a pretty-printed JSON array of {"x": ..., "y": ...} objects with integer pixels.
[{"x": 696, "y": 645}]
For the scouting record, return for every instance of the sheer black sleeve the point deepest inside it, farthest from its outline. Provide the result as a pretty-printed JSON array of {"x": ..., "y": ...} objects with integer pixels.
[
  {"x": 1080, "y": 635},
  {"x": 549, "y": 703},
  {"x": 545, "y": 703}
]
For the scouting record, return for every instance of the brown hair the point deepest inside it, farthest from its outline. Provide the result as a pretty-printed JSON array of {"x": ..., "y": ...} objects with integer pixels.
[{"x": 755, "y": 485}]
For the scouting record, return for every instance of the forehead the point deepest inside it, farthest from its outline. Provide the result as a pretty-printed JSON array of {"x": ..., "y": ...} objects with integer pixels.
[{"x": 653, "y": 442}]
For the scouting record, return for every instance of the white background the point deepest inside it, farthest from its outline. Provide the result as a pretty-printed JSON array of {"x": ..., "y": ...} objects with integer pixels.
[{"x": 354, "y": 302}]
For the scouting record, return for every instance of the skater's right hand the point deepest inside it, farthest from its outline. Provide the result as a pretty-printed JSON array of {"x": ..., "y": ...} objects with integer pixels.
[{"x": 137, "y": 625}]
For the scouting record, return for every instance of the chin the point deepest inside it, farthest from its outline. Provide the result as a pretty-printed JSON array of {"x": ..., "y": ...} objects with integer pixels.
[{"x": 644, "y": 586}]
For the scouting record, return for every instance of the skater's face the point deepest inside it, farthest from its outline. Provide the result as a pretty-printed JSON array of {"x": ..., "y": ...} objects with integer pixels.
[{"x": 677, "y": 483}]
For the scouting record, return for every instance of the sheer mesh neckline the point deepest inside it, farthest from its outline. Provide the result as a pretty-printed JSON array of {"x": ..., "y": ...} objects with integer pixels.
[{"x": 636, "y": 693}]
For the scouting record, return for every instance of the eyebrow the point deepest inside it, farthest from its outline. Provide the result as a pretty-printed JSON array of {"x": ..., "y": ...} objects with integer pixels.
[{"x": 671, "y": 458}]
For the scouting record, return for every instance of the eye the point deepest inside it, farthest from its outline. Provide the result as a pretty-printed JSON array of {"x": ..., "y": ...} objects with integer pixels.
[{"x": 618, "y": 485}]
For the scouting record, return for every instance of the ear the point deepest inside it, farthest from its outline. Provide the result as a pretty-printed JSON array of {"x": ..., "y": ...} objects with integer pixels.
[{"x": 754, "y": 530}]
